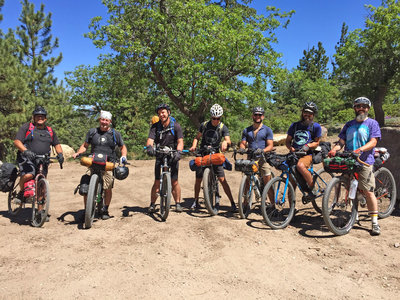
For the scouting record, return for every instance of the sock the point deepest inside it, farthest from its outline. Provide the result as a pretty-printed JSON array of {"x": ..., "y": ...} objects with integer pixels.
[{"x": 374, "y": 216}]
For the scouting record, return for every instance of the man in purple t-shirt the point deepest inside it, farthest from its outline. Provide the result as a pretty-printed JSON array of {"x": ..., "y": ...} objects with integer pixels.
[{"x": 361, "y": 136}]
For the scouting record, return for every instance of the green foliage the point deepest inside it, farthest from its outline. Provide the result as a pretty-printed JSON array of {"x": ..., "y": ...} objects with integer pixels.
[
  {"x": 366, "y": 61},
  {"x": 314, "y": 63}
]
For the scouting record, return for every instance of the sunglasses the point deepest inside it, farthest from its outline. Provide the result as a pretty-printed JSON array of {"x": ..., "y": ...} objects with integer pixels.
[
  {"x": 216, "y": 118},
  {"x": 257, "y": 115},
  {"x": 361, "y": 106}
]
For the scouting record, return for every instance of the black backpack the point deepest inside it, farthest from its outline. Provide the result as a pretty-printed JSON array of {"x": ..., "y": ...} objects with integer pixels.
[
  {"x": 8, "y": 175},
  {"x": 318, "y": 156}
]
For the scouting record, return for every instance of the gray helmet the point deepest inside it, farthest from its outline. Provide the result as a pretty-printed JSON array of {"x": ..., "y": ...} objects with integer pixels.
[
  {"x": 163, "y": 106},
  {"x": 121, "y": 172},
  {"x": 310, "y": 107},
  {"x": 39, "y": 110},
  {"x": 216, "y": 111},
  {"x": 362, "y": 100},
  {"x": 258, "y": 110}
]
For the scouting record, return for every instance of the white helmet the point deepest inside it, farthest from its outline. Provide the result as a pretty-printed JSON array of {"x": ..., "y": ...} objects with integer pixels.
[
  {"x": 362, "y": 100},
  {"x": 216, "y": 111}
]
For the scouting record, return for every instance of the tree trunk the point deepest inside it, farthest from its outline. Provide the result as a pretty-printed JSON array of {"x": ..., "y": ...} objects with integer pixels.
[{"x": 378, "y": 102}]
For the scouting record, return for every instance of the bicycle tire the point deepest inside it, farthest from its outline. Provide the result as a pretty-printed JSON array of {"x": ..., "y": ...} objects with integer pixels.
[
  {"x": 43, "y": 195},
  {"x": 279, "y": 215},
  {"x": 339, "y": 213},
  {"x": 321, "y": 183},
  {"x": 385, "y": 192},
  {"x": 210, "y": 191},
  {"x": 245, "y": 197},
  {"x": 91, "y": 200},
  {"x": 13, "y": 207},
  {"x": 165, "y": 196}
]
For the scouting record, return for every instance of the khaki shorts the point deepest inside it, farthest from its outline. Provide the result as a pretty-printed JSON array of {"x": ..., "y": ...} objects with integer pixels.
[
  {"x": 306, "y": 160},
  {"x": 366, "y": 179},
  {"x": 108, "y": 178},
  {"x": 264, "y": 167}
]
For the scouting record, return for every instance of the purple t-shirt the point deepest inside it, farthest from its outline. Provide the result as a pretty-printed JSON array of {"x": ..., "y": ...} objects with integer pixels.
[{"x": 357, "y": 134}]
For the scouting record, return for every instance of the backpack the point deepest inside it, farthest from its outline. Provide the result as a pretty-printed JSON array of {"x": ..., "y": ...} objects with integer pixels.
[
  {"x": 171, "y": 126},
  {"x": 32, "y": 127},
  {"x": 219, "y": 129},
  {"x": 8, "y": 175},
  {"x": 318, "y": 156}
]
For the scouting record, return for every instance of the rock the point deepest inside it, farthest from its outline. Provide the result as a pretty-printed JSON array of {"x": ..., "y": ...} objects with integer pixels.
[
  {"x": 67, "y": 151},
  {"x": 396, "y": 245},
  {"x": 324, "y": 133},
  {"x": 279, "y": 139}
]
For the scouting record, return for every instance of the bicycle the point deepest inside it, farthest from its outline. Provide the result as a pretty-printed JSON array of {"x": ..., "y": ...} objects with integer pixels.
[
  {"x": 95, "y": 196},
  {"x": 279, "y": 213},
  {"x": 40, "y": 200},
  {"x": 165, "y": 154},
  {"x": 340, "y": 206},
  {"x": 251, "y": 185}
]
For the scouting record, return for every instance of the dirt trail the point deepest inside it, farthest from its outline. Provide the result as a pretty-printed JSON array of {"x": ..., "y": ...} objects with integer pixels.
[{"x": 192, "y": 255}]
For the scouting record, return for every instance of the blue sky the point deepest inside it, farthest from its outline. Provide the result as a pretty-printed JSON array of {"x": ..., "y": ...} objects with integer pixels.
[{"x": 314, "y": 20}]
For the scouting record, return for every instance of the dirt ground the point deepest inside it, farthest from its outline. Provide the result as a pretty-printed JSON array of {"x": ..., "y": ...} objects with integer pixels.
[{"x": 191, "y": 255}]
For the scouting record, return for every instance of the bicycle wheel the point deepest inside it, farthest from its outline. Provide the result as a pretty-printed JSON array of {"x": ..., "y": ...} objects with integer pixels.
[
  {"x": 165, "y": 196},
  {"x": 41, "y": 198},
  {"x": 385, "y": 192},
  {"x": 278, "y": 214},
  {"x": 210, "y": 191},
  {"x": 338, "y": 210},
  {"x": 321, "y": 182},
  {"x": 91, "y": 200},
  {"x": 14, "y": 204},
  {"x": 245, "y": 198}
]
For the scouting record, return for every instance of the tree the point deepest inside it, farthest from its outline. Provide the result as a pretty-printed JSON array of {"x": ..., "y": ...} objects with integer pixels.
[
  {"x": 193, "y": 53},
  {"x": 37, "y": 45},
  {"x": 314, "y": 63},
  {"x": 367, "y": 62}
]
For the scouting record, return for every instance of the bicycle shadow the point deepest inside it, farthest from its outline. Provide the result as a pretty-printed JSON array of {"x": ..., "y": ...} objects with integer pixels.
[
  {"x": 24, "y": 217},
  {"x": 308, "y": 221},
  {"x": 77, "y": 218},
  {"x": 202, "y": 212}
]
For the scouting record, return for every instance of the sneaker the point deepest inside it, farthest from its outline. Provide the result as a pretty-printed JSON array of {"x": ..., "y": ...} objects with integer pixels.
[
  {"x": 234, "y": 208},
  {"x": 105, "y": 215},
  {"x": 179, "y": 207},
  {"x": 376, "y": 229},
  {"x": 195, "y": 204},
  {"x": 152, "y": 208}
]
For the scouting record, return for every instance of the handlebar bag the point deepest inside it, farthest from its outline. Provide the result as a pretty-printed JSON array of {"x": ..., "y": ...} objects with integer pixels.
[{"x": 208, "y": 160}]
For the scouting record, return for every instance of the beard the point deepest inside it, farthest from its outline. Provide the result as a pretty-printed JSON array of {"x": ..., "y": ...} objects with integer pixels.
[
  {"x": 259, "y": 121},
  {"x": 361, "y": 116},
  {"x": 305, "y": 122}
]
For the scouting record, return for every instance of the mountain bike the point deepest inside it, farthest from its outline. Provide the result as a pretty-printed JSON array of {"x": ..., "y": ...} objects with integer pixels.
[
  {"x": 280, "y": 212},
  {"x": 251, "y": 185},
  {"x": 340, "y": 203},
  {"x": 40, "y": 200},
  {"x": 165, "y": 154}
]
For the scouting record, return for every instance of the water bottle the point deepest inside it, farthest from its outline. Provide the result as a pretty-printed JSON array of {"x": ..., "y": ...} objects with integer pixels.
[{"x": 353, "y": 189}]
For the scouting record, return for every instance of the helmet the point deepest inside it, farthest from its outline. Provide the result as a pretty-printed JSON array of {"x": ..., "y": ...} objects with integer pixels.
[
  {"x": 310, "y": 107},
  {"x": 121, "y": 172},
  {"x": 362, "y": 100},
  {"x": 258, "y": 110},
  {"x": 39, "y": 110},
  {"x": 154, "y": 119},
  {"x": 163, "y": 106},
  {"x": 216, "y": 111}
]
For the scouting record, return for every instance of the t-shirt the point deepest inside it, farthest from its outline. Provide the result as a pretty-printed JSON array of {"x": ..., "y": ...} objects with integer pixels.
[
  {"x": 260, "y": 140},
  {"x": 303, "y": 134},
  {"x": 163, "y": 136},
  {"x": 39, "y": 141},
  {"x": 104, "y": 142},
  {"x": 212, "y": 135},
  {"x": 357, "y": 134}
]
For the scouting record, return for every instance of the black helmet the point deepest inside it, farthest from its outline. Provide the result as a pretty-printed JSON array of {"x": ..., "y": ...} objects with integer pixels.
[
  {"x": 121, "y": 172},
  {"x": 39, "y": 110},
  {"x": 163, "y": 106},
  {"x": 310, "y": 107},
  {"x": 258, "y": 110},
  {"x": 362, "y": 100}
]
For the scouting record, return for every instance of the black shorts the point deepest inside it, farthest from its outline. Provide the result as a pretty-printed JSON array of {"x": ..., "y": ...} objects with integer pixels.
[
  {"x": 173, "y": 168},
  {"x": 218, "y": 170}
]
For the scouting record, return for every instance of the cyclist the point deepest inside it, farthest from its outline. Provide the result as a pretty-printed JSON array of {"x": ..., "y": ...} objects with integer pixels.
[
  {"x": 305, "y": 135},
  {"x": 31, "y": 139},
  {"x": 102, "y": 140},
  {"x": 259, "y": 138},
  {"x": 361, "y": 135},
  {"x": 166, "y": 132},
  {"x": 211, "y": 132}
]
